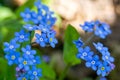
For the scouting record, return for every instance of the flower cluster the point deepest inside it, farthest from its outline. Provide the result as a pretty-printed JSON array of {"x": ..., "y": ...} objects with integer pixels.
[
  {"x": 99, "y": 29},
  {"x": 23, "y": 55},
  {"x": 24, "y": 58},
  {"x": 43, "y": 21},
  {"x": 102, "y": 64}
]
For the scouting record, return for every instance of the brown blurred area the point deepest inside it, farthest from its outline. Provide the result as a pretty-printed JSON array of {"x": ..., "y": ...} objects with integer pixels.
[{"x": 75, "y": 12}]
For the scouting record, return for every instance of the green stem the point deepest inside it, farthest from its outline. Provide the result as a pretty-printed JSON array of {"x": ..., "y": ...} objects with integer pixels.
[
  {"x": 89, "y": 39},
  {"x": 21, "y": 47},
  {"x": 63, "y": 74},
  {"x": 30, "y": 37}
]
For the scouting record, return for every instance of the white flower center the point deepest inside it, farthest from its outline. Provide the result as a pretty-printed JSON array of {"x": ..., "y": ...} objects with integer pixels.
[
  {"x": 34, "y": 61},
  {"x": 106, "y": 57},
  {"x": 86, "y": 27},
  {"x": 84, "y": 54},
  {"x": 100, "y": 32},
  {"x": 28, "y": 15},
  {"x": 99, "y": 48},
  {"x": 30, "y": 27},
  {"x": 27, "y": 52},
  {"x": 39, "y": 17},
  {"x": 35, "y": 73},
  {"x": 41, "y": 39},
  {"x": 11, "y": 47},
  {"x": 12, "y": 57},
  {"x": 44, "y": 29},
  {"x": 92, "y": 62},
  {"x": 22, "y": 36}
]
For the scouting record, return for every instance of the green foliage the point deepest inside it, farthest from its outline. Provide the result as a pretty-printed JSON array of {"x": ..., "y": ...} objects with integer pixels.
[
  {"x": 6, "y": 13},
  {"x": 69, "y": 48},
  {"x": 3, "y": 71},
  {"x": 28, "y": 4},
  {"x": 7, "y": 30},
  {"x": 47, "y": 72},
  {"x": 47, "y": 2},
  {"x": 59, "y": 19},
  {"x": 6, "y": 72}
]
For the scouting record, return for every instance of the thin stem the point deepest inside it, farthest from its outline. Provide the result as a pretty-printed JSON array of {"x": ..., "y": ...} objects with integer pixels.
[
  {"x": 21, "y": 47},
  {"x": 89, "y": 39},
  {"x": 30, "y": 37},
  {"x": 63, "y": 74}
]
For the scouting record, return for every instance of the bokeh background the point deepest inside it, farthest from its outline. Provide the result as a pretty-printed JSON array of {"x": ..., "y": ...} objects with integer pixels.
[{"x": 72, "y": 12}]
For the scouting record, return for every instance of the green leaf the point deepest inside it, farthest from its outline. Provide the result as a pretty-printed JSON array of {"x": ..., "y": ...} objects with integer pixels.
[
  {"x": 47, "y": 72},
  {"x": 7, "y": 30},
  {"x": 28, "y": 4},
  {"x": 3, "y": 69},
  {"x": 6, "y": 13},
  {"x": 69, "y": 48},
  {"x": 47, "y": 2},
  {"x": 6, "y": 72}
]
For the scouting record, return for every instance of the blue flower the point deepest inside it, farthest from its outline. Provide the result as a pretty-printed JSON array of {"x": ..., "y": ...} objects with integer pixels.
[
  {"x": 43, "y": 28},
  {"x": 34, "y": 73},
  {"x": 104, "y": 51},
  {"x": 49, "y": 21},
  {"x": 37, "y": 17},
  {"x": 41, "y": 39},
  {"x": 20, "y": 72},
  {"x": 79, "y": 43},
  {"x": 103, "y": 69},
  {"x": 99, "y": 46},
  {"x": 48, "y": 12},
  {"x": 52, "y": 39},
  {"x": 85, "y": 53},
  {"x": 44, "y": 15},
  {"x": 93, "y": 62},
  {"x": 36, "y": 60},
  {"x": 29, "y": 27},
  {"x": 102, "y": 30},
  {"x": 22, "y": 36},
  {"x": 26, "y": 15},
  {"x": 24, "y": 63},
  {"x": 46, "y": 58},
  {"x": 39, "y": 5},
  {"x": 106, "y": 57},
  {"x": 23, "y": 77},
  {"x": 11, "y": 46},
  {"x": 12, "y": 57},
  {"x": 103, "y": 78},
  {"x": 112, "y": 66},
  {"x": 28, "y": 53},
  {"x": 88, "y": 26}
]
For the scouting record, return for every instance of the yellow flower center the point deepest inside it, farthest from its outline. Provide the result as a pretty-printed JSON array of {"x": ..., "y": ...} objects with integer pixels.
[
  {"x": 12, "y": 57},
  {"x": 48, "y": 22},
  {"x": 34, "y": 73},
  {"x": 24, "y": 78},
  {"x": 102, "y": 68},
  {"x": 24, "y": 62},
  {"x": 51, "y": 39}
]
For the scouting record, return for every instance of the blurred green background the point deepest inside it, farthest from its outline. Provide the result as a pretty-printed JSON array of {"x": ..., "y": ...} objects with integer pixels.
[{"x": 73, "y": 12}]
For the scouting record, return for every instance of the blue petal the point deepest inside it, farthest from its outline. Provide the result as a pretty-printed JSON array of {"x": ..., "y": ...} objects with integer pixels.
[
  {"x": 98, "y": 72},
  {"x": 88, "y": 64},
  {"x": 103, "y": 73}
]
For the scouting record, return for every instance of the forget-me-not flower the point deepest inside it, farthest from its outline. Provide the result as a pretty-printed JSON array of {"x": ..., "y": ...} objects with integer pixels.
[
  {"x": 85, "y": 53},
  {"x": 22, "y": 36},
  {"x": 12, "y": 57},
  {"x": 11, "y": 46}
]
